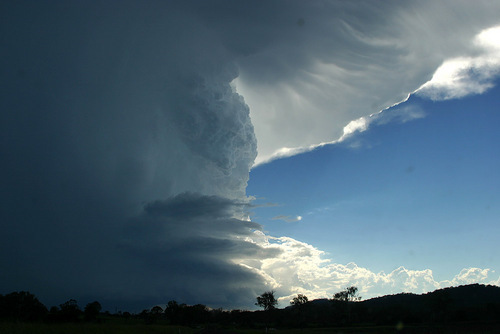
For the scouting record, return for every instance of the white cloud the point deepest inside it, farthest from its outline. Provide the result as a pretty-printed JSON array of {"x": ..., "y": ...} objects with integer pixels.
[
  {"x": 397, "y": 113},
  {"x": 469, "y": 276},
  {"x": 466, "y": 75},
  {"x": 288, "y": 219},
  {"x": 302, "y": 268},
  {"x": 400, "y": 114},
  {"x": 319, "y": 83}
]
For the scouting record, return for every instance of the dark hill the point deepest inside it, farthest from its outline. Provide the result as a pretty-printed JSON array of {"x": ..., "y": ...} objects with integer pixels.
[
  {"x": 465, "y": 295},
  {"x": 473, "y": 302},
  {"x": 468, "y": 303}
]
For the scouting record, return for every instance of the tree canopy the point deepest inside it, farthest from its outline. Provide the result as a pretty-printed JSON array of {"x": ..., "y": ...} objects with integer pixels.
[
  {"x": 92, "y": 310},
  {"x": 267, "y": 300},
  {"x": 299, "y": 300},
  {"x": 350, "y": 294}
]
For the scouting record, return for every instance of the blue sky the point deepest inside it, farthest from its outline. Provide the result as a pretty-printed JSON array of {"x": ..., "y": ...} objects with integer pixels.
[{"x": 420, "y": 194}]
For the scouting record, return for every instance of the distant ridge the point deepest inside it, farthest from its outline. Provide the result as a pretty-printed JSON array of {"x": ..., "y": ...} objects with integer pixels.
[
  {"x": 466, "y": 303},
  {"x": 464, "y": 295}
]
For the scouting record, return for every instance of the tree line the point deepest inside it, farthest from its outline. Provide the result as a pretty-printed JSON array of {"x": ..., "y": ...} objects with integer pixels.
[
  {"x": 24, "y": 306},
  {"x": 470, "y": 303}
]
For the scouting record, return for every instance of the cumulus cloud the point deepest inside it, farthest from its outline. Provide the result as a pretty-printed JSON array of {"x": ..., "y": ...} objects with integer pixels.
[
  {"x": 302, "y": 268},
  {"x": 471, "y": 275}
]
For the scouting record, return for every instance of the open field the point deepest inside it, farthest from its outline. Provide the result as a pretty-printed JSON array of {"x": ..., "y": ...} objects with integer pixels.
[
  {"x": 85, "y": 328},
  {"x": 136, "y": 328}
]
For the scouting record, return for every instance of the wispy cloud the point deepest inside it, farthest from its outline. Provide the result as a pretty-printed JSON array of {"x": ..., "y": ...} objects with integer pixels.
[
  {"x": 288, "y": 219},
  {"x": 456, "y": 77},
  {"x": 398, "y": 113},
  {"x": 327, "y": 90}
]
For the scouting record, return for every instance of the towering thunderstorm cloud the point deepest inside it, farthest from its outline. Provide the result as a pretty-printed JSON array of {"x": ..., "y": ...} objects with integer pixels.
[
  {"x": 127, "y": 141},
  {"x": 125, "y": 156}
]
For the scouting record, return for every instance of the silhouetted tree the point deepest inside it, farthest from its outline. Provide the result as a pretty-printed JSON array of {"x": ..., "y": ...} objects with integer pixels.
[
  {"x": 156, "y": 310},
  {"x": 22, "y": 306},
  {"x": 146, "y": 316},
  {"x": 53, "y": 314},
  {"x": 126, "y": 315},
  {"x": 171, "y": 310},
  {"x": 174, "y": 312},
  {"x": 267, "y": 300},
  {"x": 350, "y": 294},
  {"x": 156, "y": 313},
  {"x": 298, "y": 304},
  {"x": 92, "y": 310},
  {"x": 299, "y": 300},
  {"x": 346, "y": 296},
  {"x": 196, "y": 314},
  {"x": 69, "y": 311}
]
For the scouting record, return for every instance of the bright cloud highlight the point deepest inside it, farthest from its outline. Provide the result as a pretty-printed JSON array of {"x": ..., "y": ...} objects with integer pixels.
[
  {"x": 302, "y": 268},
  {"x": 466, "y": 75},
  {"x": 331, "y": 89}
]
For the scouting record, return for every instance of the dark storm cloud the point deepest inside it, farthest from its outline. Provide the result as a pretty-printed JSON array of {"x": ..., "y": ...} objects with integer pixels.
[
  {"x": 190, "y": 245},
  {"x": 105, "y": 108}
]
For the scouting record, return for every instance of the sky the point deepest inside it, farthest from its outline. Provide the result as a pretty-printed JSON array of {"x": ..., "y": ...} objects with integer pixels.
[{"x": 208, "y": 151}]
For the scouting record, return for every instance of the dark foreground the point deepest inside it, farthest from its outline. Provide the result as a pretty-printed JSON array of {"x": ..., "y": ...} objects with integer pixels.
[
  {"x": 467, "y": 309},
  {"x": 138, "y": 328}
]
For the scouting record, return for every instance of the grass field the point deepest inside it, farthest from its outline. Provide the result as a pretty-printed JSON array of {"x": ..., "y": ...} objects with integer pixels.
[
  {"x": 85, "y": 328},
  {"x": 138, "y": 328}
]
